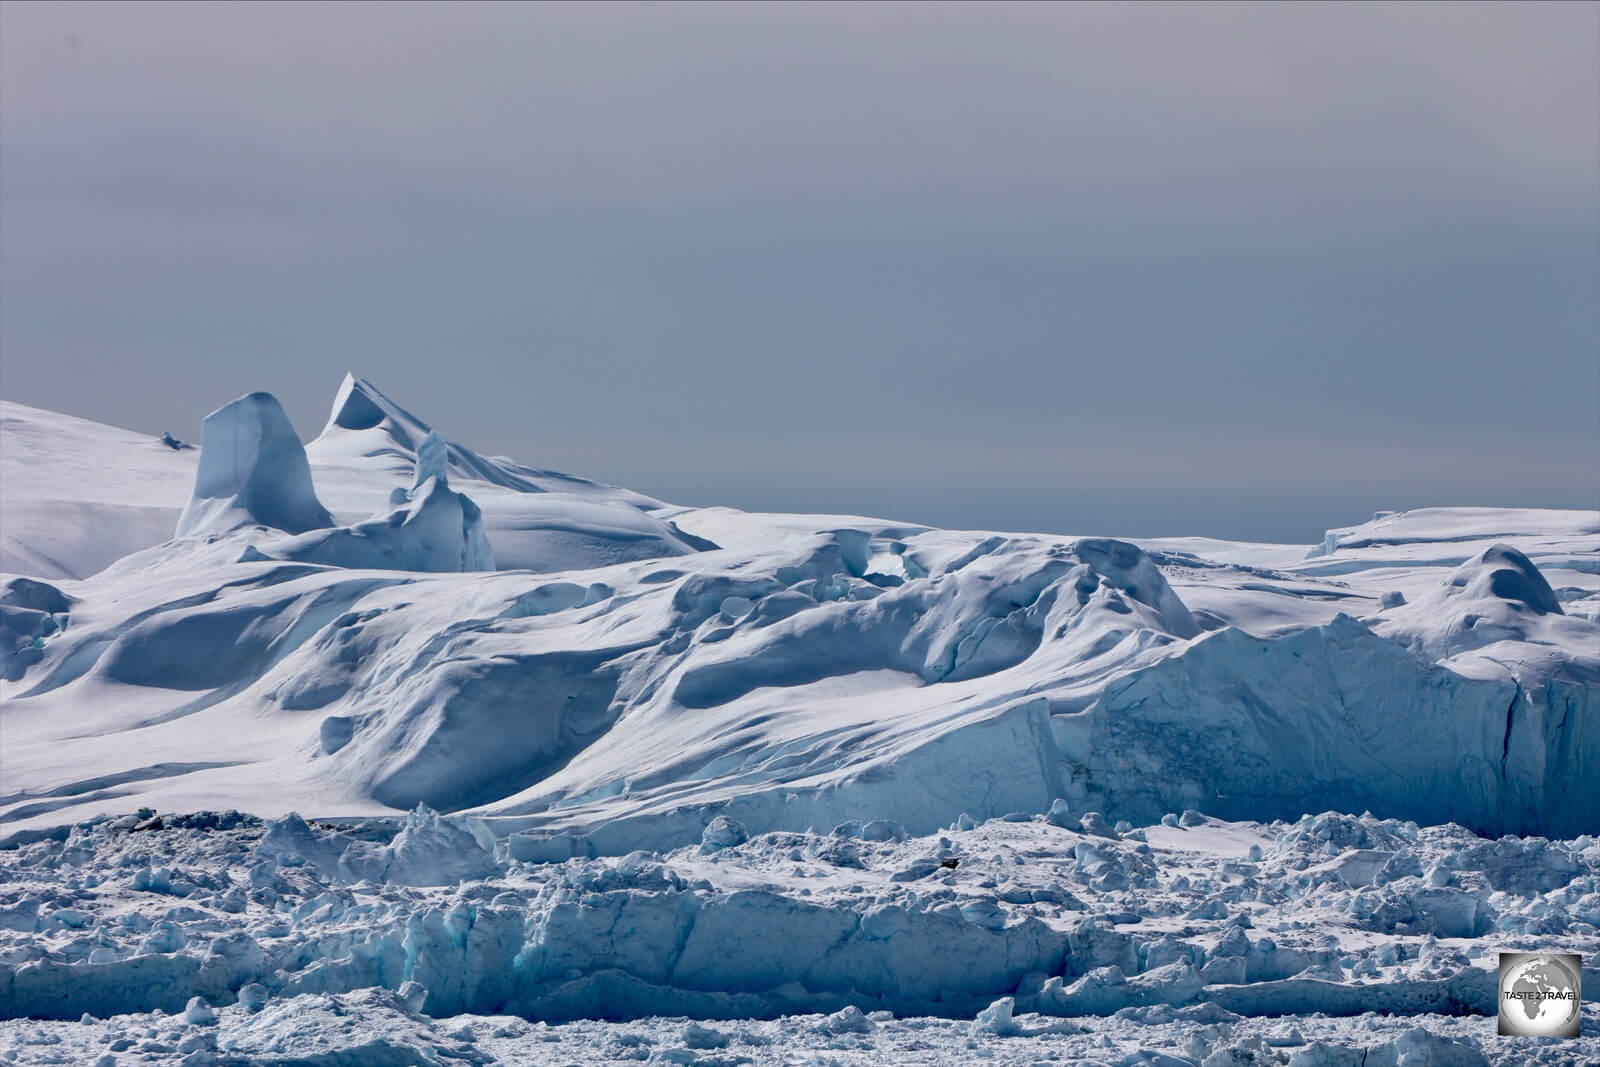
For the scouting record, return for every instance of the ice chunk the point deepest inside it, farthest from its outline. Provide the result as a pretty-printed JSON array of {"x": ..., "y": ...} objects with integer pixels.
[
  {"x": 996, "y": 1019},
  {"x": 253, "y": 472},
  {"x": 704, "y": 1037},
  {"x": 847, "y": 1020},
  {"x": 432, "y": 458},
  {"x": 722, "y": 832},
  {"x": 1060, "y": 814},
  {"x": 413, "y": 995},
  {"x": 430, "y": 849},
  {"x": 433, "y": 529},
  {"x": 290, "y": 842}
]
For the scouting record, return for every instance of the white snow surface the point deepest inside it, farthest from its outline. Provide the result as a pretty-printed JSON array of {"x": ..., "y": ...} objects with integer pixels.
[{"x": 592, "y": 681}]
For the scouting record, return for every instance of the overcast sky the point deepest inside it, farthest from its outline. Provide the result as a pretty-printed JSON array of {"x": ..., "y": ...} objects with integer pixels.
[{"x": 1244, "y": 270}]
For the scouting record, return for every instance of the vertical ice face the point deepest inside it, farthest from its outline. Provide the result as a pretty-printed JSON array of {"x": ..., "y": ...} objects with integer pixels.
[
  {"x": 253, "y": 471},
  {"x": 477, "y": 555}
]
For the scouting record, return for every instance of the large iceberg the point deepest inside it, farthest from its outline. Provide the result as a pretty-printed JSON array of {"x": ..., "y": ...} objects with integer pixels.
[
  {"x": 697, "y": 762},
  {"x": 820, "y": 669}
]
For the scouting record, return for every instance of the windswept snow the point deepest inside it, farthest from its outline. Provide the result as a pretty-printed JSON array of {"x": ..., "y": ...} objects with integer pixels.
[
  {"x": 76, "y": 495},
  {"x": 661, "y": 710}
]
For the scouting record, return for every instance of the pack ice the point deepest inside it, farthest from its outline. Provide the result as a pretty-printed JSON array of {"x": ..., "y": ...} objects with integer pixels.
[{"x": 841, "y": 787}]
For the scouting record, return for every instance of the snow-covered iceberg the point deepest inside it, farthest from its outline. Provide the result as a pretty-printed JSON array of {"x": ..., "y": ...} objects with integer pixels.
[
  {"x": 79, "y": 496},
  {"x": 566, "y": 752},
  {"x": 817, "y": 670}
]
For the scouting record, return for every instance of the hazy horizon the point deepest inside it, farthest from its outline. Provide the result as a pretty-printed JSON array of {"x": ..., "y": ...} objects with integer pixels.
[{"x": 1230, "y": 270}]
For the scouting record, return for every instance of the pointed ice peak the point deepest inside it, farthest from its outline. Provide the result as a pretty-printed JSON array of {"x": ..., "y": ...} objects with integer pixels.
[
  {"x": 366, "y": 423},
  {"x": 353, "y": 408},
  {"x": 252, "y": 472},
  {"x": 360, "y": 405},
  {"x": 433, "y": 457},
  {"x": 366, "y": 427}
]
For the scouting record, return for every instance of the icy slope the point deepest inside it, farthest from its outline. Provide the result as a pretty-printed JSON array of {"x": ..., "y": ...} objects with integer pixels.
[{"x": 76, "y": 495}]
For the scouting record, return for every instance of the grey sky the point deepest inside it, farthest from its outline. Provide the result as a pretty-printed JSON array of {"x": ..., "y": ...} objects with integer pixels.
[{"x": 1249, "y": 270}]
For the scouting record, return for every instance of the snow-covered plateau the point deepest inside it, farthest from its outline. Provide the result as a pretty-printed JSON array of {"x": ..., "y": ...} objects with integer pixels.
[{"x": 377, "y": 750}]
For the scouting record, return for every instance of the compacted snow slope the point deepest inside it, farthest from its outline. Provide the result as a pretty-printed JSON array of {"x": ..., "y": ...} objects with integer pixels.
[{"x": 647, "y": 721}]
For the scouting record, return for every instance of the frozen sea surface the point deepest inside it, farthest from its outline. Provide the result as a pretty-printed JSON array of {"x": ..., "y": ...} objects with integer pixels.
[{"x": 1331, "y": 940}]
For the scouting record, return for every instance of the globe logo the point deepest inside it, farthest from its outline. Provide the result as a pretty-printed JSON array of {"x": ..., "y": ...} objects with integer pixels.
[{"x": 1540, "y": 994}]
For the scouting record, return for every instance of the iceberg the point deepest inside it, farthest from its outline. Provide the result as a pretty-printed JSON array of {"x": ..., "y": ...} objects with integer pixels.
[{"x": 567, "y": 753}]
